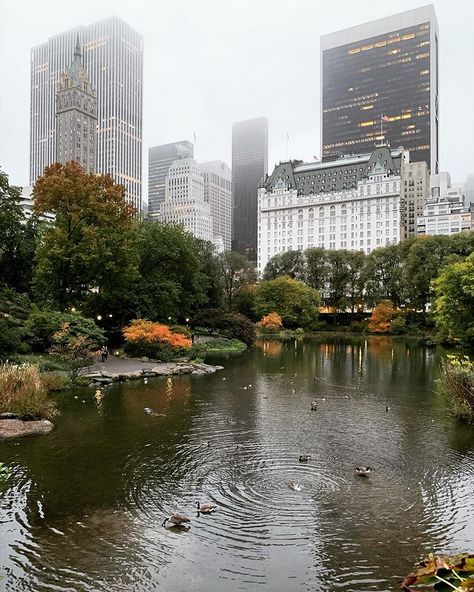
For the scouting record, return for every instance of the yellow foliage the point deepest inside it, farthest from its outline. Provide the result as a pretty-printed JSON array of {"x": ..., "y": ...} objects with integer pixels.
[
  {"x": 271, "y": 321},
  {"x": 148, "y": 332}
]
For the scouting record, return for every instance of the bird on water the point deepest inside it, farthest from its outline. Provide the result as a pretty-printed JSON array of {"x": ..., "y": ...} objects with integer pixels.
[
  {"x": 364, "y": 471},
  {"x": 304, "y": 457},
  {"x": 176, "y": 520},
  {"x": 206, "y": 507}
]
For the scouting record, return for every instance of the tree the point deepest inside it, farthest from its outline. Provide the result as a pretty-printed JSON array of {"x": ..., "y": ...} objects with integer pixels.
[
  {"x": 144, "y": 338},
  {"x": 355, "y": 278},
  {"x": 295, "y": 302},
  {"x": 86, "y": 255},
  {"x": 17, "y": 239},
  {"x": 383, "y": 275},
  {"x": 382, "y": 316},
  {"x": 237, "y": 273},
  {"x": 317, "y": 268},
  {"x": 454, "y": 301},
  {"x": 270, "y": 322},
  {"x": 337, "y": 279},
  {"x": 290, "y": 263},
  {"x": 172, "y": 281}
]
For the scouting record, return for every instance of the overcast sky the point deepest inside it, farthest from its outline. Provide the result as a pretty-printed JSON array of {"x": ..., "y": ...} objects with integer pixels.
[{"x": 208, "y": 63}]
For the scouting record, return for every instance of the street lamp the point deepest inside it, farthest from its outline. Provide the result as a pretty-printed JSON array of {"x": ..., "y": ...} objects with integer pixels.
[
  {"x": 99, "y": 317},
  {"x": 73, "y": 309}
]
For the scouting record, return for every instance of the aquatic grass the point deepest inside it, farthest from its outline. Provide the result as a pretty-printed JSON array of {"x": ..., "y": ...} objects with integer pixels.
[
  {"x": 457, "y": 380},
  {"x": 23, "y": 392}
]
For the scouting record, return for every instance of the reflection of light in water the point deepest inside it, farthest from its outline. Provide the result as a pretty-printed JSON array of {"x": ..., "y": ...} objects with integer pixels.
[
  {"x": 98, "y": 396},
  {"x": 169, "y": 388}
]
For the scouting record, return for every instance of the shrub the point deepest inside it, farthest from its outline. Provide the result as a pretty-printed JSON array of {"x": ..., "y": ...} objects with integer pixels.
[
  {"x": 74, "y": 349},
  {"x": 43, "y": 324},
  {"x": 398, "y": 325},
  {"x": 457, "y": 380},
  {"x": 22, "y": 391},
  {"x": 271, "y": 322},
  {"x": 154, "y": 340},
  {"x": 358, "y": 326},
  {"x": 382, "y": 316},
  {"x": 231, "y": 325},
  {"x": 181, "y": 330},
  {"x": 10, "y": 339}
]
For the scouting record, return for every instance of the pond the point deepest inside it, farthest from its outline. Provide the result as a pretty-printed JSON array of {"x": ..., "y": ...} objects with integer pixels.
[{"x": 84, "y": 506}]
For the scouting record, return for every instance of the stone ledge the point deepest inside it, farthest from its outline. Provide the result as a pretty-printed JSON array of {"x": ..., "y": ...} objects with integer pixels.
[{"x": 17, "y": 428}]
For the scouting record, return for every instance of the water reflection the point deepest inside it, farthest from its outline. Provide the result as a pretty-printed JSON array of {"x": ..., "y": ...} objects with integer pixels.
[{"x": 84, "y": 507}]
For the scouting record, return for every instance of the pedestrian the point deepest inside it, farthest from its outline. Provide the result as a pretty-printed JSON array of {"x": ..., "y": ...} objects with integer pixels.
[{"x": 104, "y": 353}]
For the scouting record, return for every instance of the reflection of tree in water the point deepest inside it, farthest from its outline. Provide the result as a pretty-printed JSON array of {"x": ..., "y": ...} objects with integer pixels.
[{"x": 270, "y": 347}]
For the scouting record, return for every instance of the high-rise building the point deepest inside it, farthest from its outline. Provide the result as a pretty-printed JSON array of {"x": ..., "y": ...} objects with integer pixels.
[
  {"x": 415, "y": 190},
  {"x": 184, "y": 199},
  {"x": 351, "y": 203},
  {"x": 160, "y": 159},
  {"x": 379, "y": 81},
  {"x": 218, "y": 193},
  {"x": 249, "y": 168},
  {"x": 76, "y": 119},
  {"x": 113, "y": 58}
]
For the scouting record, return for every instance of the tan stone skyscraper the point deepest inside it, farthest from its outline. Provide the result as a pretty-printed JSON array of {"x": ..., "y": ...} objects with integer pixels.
[{"x": 76, "y": 116}]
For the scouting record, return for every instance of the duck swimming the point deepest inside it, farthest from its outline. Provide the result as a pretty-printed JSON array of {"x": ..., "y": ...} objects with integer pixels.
[
  {"x": 176, "y": 520},
  {"x": 364, "y": 471},
  {"x": 205, "y": 508},
  {"x": 304, "y": 457},
  {"x": 294, "y": 486}
]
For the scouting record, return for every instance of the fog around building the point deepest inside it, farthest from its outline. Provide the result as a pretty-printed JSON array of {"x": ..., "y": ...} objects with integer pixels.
[{"x": 210, "y": 63}]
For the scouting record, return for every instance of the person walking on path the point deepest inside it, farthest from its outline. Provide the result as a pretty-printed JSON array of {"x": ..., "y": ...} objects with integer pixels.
[{"x": 104, "y": 353}]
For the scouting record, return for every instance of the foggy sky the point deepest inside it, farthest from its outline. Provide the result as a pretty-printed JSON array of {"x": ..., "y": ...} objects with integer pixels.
[{"x": 208, "y": 63}]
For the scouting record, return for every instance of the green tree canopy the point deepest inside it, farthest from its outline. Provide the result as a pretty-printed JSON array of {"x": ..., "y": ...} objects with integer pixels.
[
  {"x": 290, "y": 263},
  {"x": 454, "y": 301},
  {"x": 87, "y": 254},
  {"x": 295, "y": 302},
  {"x": 237, "y": 274}
]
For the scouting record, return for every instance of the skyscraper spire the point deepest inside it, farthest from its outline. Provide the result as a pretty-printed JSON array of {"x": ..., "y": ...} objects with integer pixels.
[{"x": 77, "y": 51}]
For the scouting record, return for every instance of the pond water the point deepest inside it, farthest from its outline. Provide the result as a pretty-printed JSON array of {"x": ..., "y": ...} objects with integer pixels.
[{"x": 84, "y": 506}]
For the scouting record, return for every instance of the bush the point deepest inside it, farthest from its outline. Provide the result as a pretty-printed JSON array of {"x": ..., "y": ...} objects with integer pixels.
[
  {"x": 10, "y": 339},
  {"x": 43, "y": 324},
  {"x": 154, "y": 340},
  {"x": 270, "y": 323},
  {"x": 457, "y": 380},
  {"x": 22, "y": 391},
  {"x": 358, "y": 326},
  {"x": 382, "y": 317},
  {"x": 181, "y": 330},
  {"x": 231, "y": 325}
]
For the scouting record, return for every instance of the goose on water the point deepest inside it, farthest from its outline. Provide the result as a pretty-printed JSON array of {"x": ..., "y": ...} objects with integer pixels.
[
  {"x": 364, "y": 471},
  {"x": 304, "y": 457},
  {"x": 314, "y": 406},
  {"x": 206, "y": 507},
  {"x": 176, "y": 520}
]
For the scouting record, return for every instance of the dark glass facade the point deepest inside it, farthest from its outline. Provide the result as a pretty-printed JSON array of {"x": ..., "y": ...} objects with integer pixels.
[
  {"x": 384, "y": 77},
  {"x": 249, "y": 167},
  {"x": 160, "y": 159}
]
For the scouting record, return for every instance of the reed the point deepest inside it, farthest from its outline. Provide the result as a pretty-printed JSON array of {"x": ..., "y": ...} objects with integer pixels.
[
  {"x": 23, "y": 392},
  {"x": 457, "y": 380}
]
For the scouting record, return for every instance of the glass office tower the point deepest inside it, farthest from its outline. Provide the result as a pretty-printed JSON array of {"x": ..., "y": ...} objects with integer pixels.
[
  {"x": 249, "y": 167},
  {"x": 379, "y": 81}
]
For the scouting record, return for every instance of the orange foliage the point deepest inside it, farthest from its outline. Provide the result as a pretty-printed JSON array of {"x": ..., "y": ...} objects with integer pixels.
[
  {"x": 382, "y": 317},
  {"x": 141, "y": 330},
  {"x": 271, "y": 322}
]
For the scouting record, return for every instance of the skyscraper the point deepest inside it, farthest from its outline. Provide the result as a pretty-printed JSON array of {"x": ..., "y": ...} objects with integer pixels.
[
  {"x": 160, "y": 158},
  {"x": 76, "y": 119},
  {"x": 113, "y": 58},
  {"x": 184, "y": 202},
  {"x": 379, "y": 81},
  {"x": 218, "y": 193},
  {"x": 249, "y": 167}
]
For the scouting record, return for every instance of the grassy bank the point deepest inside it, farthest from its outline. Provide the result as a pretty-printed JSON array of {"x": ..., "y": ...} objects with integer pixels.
[{"x": 457, "y": 381}]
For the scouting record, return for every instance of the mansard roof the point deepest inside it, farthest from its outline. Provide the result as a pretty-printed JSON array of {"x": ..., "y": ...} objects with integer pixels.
[{"x": 335, "y": 175}]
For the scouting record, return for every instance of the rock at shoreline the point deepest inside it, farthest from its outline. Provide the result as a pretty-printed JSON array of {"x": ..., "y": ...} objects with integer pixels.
[{"x": 17, "y": 428}]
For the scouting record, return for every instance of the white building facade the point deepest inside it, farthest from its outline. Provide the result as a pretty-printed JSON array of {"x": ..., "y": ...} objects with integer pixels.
[
  {"x": 353, "y": 203},
  {"x": 445, "y": 211},
  {"x": 217, "y": 178},
  {"x": 184, "y": 199}
]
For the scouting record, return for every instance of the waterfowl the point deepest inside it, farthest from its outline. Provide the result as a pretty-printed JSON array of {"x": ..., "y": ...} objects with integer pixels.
[
  {"x": 176, "y": 520},
  {"x": 363, "y": 471},
  {"x": 304, "y": 457},
  {"x": 314, "y": 406},
  {"x": 324, "y": 399},
  {"x": 206, "y": 507},
  {"x": 387, "y": 408},
  {"x": 294, "y": 486}
]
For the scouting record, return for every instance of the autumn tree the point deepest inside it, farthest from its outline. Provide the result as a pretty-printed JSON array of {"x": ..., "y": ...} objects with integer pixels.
[
  {"x": 270, "y": 322},
  {"x": 295, "y": 302},
  {"x": 87, "y": 254},
  {"x": 382, "y": 317}
]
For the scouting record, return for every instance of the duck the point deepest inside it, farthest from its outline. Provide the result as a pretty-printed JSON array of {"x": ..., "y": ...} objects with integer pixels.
[
  {"x": 324, "y": 398},
  {"x": 176, "y": 520},
  {"x": 387, "y": 408},
  {"x": 205, "y": 507},
  {"x": 304, "y": 457},
  {"x": 294, "y": 486},
  {"x": 364, "y": 471},
  {"x": 314, "y": 406}
]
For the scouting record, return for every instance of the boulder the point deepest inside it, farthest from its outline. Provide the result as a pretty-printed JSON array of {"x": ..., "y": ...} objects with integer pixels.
[{"x": 16, "y": 428}]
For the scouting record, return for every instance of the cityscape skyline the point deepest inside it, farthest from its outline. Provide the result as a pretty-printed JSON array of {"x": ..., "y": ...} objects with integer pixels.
[{"x": 213, "y": 134}]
